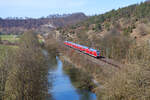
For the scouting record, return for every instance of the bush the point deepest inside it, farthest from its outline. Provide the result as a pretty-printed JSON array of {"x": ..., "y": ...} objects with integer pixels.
[
  {"x": 128, "y": 30},
  {"x": 51, "y": 46},
  {"x": 6, "y": 58},
  {"x": 107, "y": 26},
  {"x": 28, "y": 70},
  {"x": 131, "y": 82},
  {"x": 115, "y": 45},
  {"x": 0, "y": 40},
  {"x": 143, "y": 29},
  {"x": 98, "y": 27},
  {"x": 139, "y": 53},
  {"x": 80, "y": 79}
]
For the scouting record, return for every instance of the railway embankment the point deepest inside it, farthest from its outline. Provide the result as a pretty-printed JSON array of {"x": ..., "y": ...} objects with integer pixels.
[{"x": 99, "y": 70}]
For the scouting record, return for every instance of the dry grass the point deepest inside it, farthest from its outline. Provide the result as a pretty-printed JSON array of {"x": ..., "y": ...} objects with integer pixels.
[
  {"x": 143, "y": 29},
  {"x": 131, "y": 82}
]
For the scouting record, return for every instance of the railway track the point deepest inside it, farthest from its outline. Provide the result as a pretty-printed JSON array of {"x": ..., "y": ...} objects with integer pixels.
[
  {"x": 110, "y": 62},
  {"x": 102, "y": 59},
  {"x": 105, "y": 60}
]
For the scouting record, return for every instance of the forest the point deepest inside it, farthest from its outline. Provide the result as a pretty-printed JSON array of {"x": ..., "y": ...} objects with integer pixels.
[{"x": 15, "y": 25}]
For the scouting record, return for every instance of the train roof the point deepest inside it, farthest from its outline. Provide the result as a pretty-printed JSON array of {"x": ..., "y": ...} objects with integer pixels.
[
  {"x": 81, "y": 46},
  {"x": 93, "y": 49},
  {"x": 85, "y": 47}
]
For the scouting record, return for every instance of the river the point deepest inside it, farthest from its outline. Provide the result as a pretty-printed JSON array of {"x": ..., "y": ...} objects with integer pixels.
[{"x": 62, "y": 88}]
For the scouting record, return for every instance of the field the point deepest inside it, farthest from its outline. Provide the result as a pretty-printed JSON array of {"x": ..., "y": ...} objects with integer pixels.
[
  {"x": 10, "y": 38},
  {"x": 15, "y": 38},
  {"x": 5, "y": 48}
]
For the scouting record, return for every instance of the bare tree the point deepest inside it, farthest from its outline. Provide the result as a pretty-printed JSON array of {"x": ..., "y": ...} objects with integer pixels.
[{"x": 27, "y": 79}]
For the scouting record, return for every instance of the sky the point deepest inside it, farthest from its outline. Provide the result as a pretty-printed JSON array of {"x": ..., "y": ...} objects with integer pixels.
[{"x": 40, "y": 8}]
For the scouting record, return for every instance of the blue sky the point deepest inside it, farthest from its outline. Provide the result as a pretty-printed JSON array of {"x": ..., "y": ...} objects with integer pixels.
[{"x": 39, "y": 8}]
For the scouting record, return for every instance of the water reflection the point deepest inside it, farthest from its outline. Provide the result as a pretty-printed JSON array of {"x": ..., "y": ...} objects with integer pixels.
[
  {"x": 62, "y": 89},
  {"x": 85, "y": 95}
]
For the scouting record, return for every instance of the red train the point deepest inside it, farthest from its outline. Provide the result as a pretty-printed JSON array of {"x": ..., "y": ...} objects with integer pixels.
[{"x": 89, "y": 51}]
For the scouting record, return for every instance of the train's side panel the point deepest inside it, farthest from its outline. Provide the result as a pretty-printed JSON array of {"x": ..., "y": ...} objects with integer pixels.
[{"x": 84, "y": 49}]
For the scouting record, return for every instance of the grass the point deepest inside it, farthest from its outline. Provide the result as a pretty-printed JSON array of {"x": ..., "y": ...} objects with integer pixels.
[
  {"x": 10, "y": 38},
  {"x": 40, "y": 40},
  {"x": 5, "y": 48},
  {"x": 13, "y": 38},
  {"x": 8, "y": 47}
]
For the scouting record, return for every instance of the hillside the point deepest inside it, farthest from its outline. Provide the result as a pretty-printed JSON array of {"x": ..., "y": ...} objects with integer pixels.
[
  {"x": 19, "y": 25},
  {"x": 131, "y": 21},
  {"x": 122, "y": 35}
]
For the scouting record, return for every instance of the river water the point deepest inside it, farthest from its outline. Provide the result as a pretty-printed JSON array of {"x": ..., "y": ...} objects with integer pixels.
[{"x": 62, "y": 88}]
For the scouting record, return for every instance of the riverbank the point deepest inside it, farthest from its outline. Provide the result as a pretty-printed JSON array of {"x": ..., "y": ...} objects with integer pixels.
[
  {"x": 79, "y": 78},
  {"x": 86, "y": 80},
  {"x": 63, "y": 87},
  {"x": 98, "y": 74}
]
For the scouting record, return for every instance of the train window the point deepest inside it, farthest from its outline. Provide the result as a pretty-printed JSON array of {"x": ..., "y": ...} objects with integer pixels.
[{"x": 98, "y": 53}]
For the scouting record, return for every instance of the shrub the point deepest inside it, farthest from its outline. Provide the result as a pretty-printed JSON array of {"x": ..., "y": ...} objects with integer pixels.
[
  {"x": 27, "y": 77},
  {"x": 51, "y": 46},
  {"x": 143, "y": 29},
  {"x": 139, "y": 53},
  {"x": 115, "y": 45},
  {"x": 131, "y": 82},
  {"x": 128, "y": 30},
  {"x": 6, "y": 58},
  {"x": 79, "y": 78},
  {"x": 98, "y": 27},
  {"x": 107, "y": 26}
]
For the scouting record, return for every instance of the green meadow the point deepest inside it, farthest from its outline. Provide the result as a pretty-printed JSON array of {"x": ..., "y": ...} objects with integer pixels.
[{"x": 10, "y": 38}]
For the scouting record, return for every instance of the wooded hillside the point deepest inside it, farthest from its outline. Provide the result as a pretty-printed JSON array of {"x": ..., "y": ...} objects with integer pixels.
[{"x": 19, "y": 25}]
